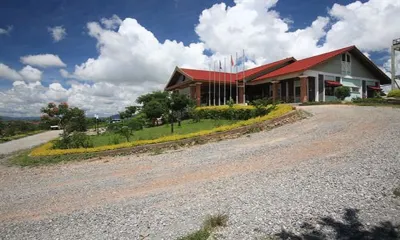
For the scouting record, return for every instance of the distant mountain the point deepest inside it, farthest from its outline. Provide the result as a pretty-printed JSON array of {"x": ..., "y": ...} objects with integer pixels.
[{"x": 6, "y": 118}]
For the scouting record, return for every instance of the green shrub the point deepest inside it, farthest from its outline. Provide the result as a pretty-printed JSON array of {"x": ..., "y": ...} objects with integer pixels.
[
  {"x": 377, "y": 100},
  {"x": 236, "y": 112},
  {"x": 394, "y": 93},
  {"x": 320, "y": 103},
  {"x": 342, "y": 92},
  {"x": 75, "y": 140},
  {"x": 262, "y": 102}
]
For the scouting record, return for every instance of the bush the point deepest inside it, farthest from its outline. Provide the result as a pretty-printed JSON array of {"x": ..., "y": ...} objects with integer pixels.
[
  {"x": 342, "y": 92},
  {"x": 394, "y": 93},
  {"x": 236, "y": 112},
  {"x": 369, "y": 100},
  {"x": 75, "y": 140}
]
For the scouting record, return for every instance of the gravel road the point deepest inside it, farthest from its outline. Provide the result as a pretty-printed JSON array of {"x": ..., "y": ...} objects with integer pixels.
[
  {"x": 342, "y": 157},
  {"x": 27, "y": 142}
]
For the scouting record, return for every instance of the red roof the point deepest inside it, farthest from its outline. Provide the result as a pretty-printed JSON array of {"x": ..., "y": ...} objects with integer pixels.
[
  {"x": 205, "y": 74},
  {"x": 305, "y": 64}
]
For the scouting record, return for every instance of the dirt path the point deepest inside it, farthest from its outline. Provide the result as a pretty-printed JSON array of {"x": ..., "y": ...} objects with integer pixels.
[
  {"x": 27, "y": 142},
  {"x": 255, "y": 174}
]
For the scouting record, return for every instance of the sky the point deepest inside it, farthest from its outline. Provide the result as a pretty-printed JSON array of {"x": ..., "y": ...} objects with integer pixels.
[{"x": 101, "y": 55}]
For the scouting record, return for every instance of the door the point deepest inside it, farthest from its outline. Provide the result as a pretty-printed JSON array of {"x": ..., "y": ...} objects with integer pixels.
[{"x": 311, "y": 89}]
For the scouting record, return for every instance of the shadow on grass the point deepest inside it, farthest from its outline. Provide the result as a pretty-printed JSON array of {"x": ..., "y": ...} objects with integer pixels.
[{"x": 350, "y": 228}]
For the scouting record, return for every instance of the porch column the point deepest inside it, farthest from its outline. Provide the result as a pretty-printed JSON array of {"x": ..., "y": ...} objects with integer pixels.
[
  {"x": 240, "y": 93},
  {"x": 274, "y": 91},
  {"x": 192, "y": 91},
  {"x": 303, "y": 89},
  {"x": 198, "y": 94}
]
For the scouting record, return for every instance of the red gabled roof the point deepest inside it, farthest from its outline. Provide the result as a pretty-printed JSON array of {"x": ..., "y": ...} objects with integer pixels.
[
  {"x": 304, "y": 64},
  {"x": 204, "y": 75}
]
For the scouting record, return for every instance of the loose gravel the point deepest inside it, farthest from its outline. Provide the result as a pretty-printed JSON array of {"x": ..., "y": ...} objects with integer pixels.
[{"x": 342, "y": 157}]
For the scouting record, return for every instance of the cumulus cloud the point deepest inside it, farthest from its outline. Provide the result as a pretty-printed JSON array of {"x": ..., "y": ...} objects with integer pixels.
[
  {"x": 111, "y": 23},
  {"x": 64, "y": 73},
  {"x": 6, "y": 31},
  {"x": 90, "y": 97},
  {"x": 31, "y": 74},
  {"x": 58, "y": 33},
  {"x": 133, "y": 55},
  {"x": 43, "y": 60},
  {"x": 8, "y": 73}
]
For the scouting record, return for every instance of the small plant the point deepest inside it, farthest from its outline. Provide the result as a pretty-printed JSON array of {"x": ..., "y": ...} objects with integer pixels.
[
  {"x": 212, "y": 222},
  {"x": 126, "y": 132},
  {"x": 396, "y": 192},
  {"x": 209, "y": 225},
  {"x": 394, "y": 93},
  {"x": 114, "y": 139},
  {"x": 230, "y": 102},
  {"x": 342, "y": 92}
]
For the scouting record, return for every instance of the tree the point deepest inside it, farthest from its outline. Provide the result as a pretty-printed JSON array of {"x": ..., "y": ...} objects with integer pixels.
[
  {"x": 2, "y": 127},
  {"x": 159, "y": 96},
  {"x": 69, "y": 119},
  {"x": 129, "y": 112},
  {"x": 179, "y": 103},
  {"x": 153, "y": 110},
  {"x": 342, "y": 92}
]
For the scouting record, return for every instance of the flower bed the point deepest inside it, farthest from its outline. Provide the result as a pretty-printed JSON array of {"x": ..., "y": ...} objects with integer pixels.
[{"x": 46, "y": 149}]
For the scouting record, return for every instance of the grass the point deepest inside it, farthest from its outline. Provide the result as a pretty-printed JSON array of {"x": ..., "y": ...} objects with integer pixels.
[
  {"x": 209, "y": 225},
  {"x": 23, "y": 159},
  {"x": 22, "y": 135},
  {"x": 187, "y": 126}
]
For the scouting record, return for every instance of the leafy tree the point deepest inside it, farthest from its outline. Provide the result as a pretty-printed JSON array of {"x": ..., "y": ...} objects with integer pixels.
[
  {"x": 2, "y": 127},
  {"x": 159, "y": 96},
  {"x": 342, "y": 92},
  {"x": 179, "y": 103},
  {"x": 154, "y": 109}
]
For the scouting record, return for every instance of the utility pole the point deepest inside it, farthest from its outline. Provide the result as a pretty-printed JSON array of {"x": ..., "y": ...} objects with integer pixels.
[{"x": 395, "y": 47}]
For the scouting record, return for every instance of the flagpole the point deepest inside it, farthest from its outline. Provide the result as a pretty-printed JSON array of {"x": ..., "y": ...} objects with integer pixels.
[
  {"x": 209, "y": 84},
  {"x": 237, "y": 86},
  {"x": 230, "y": 81},
  {"x": 224, "y": 81},
  {"x": 214, "y": 82},
  {"x": 219, "y": 83},
  {"x": 244, "y": 83}
]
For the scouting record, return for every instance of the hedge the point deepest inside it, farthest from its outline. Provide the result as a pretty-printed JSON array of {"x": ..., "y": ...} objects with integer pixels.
[
  {"x": 46, "y": 149},
  {"x": 394, "y": 93},
  {"x": 236, "y": 112}
]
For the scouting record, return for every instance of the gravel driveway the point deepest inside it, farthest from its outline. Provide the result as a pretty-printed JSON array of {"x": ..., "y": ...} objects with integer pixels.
[
  {"x": 28, "y": 142},
  {"x": 342, "y": 157}
]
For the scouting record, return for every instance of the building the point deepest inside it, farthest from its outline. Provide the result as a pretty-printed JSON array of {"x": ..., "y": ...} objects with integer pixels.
[{"x": 289, "y": 80}]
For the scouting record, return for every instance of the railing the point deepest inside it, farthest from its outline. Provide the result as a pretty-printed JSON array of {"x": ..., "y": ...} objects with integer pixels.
[{"x": 396, "y": 42}]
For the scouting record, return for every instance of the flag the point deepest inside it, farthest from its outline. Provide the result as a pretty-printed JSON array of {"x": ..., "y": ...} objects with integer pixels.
[
  {"x": 232, "y": 62},
  {"x": 220, "y": 66}
]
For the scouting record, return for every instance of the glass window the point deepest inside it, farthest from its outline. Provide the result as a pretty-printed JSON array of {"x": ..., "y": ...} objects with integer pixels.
[
  {"x": 329, "y": 91},
  {"x": 344, "y": 57},
  {"x": 329, "y": 78},
  {"x": 348, "y": 57}
]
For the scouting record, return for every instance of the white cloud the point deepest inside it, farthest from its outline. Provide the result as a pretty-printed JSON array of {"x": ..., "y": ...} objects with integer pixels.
[
  {"x": 133, "y": 55},
  {"x": 111, "y": 23},
  {"x": 8, "y": 73},
  {"x": 371, "y": 26},
  {"x": 58, "y": 33},
  {"x": 31, "y": 74},
  {"x": 64, "y": 73},
  {"x": 6, "y": 31},
  {"x": 92, "y": 98},
  {"x": 43, "y": 60}
]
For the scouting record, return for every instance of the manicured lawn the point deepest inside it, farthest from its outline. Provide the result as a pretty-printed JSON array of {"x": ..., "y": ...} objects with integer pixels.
[{"x": 187, "y": 126}]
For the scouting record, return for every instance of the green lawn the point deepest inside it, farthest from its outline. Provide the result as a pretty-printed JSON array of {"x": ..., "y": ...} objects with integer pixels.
[{"x": 187, "y": 126}]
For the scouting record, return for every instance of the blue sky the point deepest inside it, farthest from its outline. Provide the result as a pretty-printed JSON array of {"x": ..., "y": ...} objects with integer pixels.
[{"x": 312, "y": 27}]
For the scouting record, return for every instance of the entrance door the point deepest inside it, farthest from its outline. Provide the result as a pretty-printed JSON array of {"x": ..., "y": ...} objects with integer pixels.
[{"x": 311, "y": 89}]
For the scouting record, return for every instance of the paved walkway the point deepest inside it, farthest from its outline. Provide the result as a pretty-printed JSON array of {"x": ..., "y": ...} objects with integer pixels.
[{"x": 28, "y": 142}]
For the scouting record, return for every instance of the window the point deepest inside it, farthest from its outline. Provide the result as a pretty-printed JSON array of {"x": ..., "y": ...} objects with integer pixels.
[
  {"x": 337, "y": 79},
  {"x": 346, "y": 64},
  {"x": 329, "y": 78},
  {"x": 329, "y": 91},
  {"x": 355, "y": 89}
]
